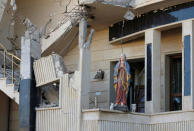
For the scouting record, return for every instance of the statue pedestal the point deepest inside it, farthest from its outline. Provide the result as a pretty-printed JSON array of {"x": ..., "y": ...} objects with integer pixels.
[{"x": 123, "y": 108}]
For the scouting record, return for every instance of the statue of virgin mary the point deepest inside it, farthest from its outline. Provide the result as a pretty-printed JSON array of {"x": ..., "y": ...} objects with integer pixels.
[{"x": 121, "y": 81}]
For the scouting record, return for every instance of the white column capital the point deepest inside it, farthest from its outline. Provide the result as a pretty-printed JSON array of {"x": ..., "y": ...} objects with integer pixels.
[
  {"x": 187, "y": 28},
  {"x": 152, "y": 36}
]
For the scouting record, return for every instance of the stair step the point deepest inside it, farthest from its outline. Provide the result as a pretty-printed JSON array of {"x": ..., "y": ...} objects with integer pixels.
[
  {"x": 16, "y": 96},
  {"x": 2, "y": 82},
  {"x": 3, "y": 78},
  {"x": 9, "y": 90}
]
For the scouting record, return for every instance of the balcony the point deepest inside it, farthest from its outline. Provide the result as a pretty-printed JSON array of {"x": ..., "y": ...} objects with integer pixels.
[
  {"x": 108, "y": 120},
  {"x": 104, "y": 13}
]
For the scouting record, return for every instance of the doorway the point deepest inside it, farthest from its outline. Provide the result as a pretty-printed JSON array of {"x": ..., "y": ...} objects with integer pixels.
[
  {"x": 175, "y": 82},
  {"x": 137, "y": 84}
]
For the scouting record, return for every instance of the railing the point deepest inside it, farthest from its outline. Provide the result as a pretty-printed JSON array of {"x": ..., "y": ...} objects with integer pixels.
[{"x": 10, "y": 68}]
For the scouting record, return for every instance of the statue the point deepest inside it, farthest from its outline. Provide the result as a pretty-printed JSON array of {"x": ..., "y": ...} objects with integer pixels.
[{"x": 121, "y": 83}]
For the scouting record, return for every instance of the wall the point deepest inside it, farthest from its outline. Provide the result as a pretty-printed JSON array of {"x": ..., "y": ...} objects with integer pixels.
[
  {"x": 103, "y": 53},
  {"x": 4, "y": 111},
  {"x": 14, "y": 116}
]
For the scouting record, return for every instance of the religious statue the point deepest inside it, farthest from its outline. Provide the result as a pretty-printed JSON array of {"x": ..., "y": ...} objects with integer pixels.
[{"x": 121, "y": 83}]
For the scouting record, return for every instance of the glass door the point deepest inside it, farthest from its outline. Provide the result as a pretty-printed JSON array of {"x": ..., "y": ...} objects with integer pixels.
[{"x": 176, "y": 83}]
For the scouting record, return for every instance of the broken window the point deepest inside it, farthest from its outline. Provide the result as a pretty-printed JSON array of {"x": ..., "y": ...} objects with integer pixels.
[{"x": 49, "y": 95}]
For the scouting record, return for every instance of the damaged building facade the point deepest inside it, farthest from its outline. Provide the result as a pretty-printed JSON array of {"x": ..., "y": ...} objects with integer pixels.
[{"x": 57, "y": 61}]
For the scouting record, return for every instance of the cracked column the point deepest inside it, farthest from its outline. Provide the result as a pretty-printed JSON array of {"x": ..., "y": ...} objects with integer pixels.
[
  {"x": 84, "y": 68},
  {"x": 152, "y": 71},
  {"x": 188, "y": 65},
  {"x": 30, "y": 50}
]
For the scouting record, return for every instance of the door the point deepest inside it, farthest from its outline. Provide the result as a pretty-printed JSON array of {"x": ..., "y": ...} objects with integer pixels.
[{"x": 176, "y": 82}]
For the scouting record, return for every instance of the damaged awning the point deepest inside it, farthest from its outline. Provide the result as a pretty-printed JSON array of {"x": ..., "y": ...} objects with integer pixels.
[
  {"x": 101, "y": 14},
  {"x": 61, "y": 40},
  {"x": 150, "y": 5},
  {"x": 104, "y": 13}
]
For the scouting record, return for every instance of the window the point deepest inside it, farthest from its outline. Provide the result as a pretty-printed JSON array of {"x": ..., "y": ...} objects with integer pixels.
[
  {"x": 187, "y": 65},
  {"x": 49, "y": 95},
  {"x": 149, "y": 72}
]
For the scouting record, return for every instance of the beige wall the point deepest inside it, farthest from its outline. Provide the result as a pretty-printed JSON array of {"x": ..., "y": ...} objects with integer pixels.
[
  {"x": 14, "y": 116},
  {"x": 102, "y": 53},
  {"x": 4, "y": 112}
]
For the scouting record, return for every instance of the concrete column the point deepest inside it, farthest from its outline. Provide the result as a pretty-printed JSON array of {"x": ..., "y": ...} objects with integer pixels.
[
  {"x": 30, "y": 50},
  {"x": 84, "y": 64},
  {"x": 84, "y": 68},
  {"x": 152, "y": 71},
  {"x": 188, "y": 65}
]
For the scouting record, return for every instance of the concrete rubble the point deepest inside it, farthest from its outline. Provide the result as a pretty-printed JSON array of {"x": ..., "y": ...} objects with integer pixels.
[{"x": 59, "y": 65}]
